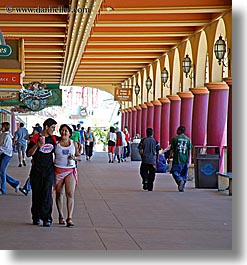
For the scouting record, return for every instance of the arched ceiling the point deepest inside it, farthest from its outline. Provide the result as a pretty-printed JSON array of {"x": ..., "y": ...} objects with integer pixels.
[{"x": 100, "y": 43}]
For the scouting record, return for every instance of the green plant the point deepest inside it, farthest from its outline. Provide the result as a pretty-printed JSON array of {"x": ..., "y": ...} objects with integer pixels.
[{"x": 101, "y": 135}]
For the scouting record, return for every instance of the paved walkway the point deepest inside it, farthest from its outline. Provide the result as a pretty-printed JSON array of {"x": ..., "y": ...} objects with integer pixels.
[{"x": 112, "y": 212}]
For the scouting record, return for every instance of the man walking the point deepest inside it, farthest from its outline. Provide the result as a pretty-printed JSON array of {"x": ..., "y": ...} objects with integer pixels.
[
  {"x": 149, "y": 151},
  {"x": 180, "y": 148},
  {"x": 41, "y": 148},
  {"x": 21, "y": 142}
]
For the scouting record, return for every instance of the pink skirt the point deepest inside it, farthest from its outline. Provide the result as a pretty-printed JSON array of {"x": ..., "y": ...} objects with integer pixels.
[{"x": 62, "y": 173}]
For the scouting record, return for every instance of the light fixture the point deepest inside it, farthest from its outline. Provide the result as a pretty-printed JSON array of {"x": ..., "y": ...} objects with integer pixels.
[
  {"x": 220, "y": 51},
  {"x": 164, "y": 76},
  {"x": 148, "y": 84},
  {"x": 137, "y": 89},
  {"x": 186, "y": 65}
]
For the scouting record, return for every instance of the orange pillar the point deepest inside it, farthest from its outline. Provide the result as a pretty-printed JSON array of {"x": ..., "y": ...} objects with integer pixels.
[
  {"x": 229, "y": 126},
  {"x": 157, "y": 119},
  {"x": 165, "y": 122},
  {"x": 199, "y": 116},
  {"x": 186, "y": 111},
  {"x": 174, "y": 114},
  {"x": 217, "y": 116}
]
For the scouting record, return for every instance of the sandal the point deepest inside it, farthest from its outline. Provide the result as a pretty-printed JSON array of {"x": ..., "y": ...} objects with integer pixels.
[
  {"x": 69, "y": 222},
  {"x": 61, "y": 221}
]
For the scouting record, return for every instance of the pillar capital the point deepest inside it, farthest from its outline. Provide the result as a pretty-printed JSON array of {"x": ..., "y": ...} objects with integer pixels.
[
  {"x": 164, "y": 100},
  {"x": 228, "y": 80},
  {"x": 138, "y": 107},
  {"x": 129, "y": 109},
  {"x": 133, "y": 109},
  {"x": 173, "y": 97},
  {"x": 217, "y": 86},
  {"x": 143, "y": 106},
  {"x": 149, "y": 104},
  {"x": 156, "y": 103},
  {"x": 185, "y": 95},
  {"x": 199, "y": 91}
]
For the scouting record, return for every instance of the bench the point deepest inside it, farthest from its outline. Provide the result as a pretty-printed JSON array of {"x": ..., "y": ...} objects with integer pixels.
[{"x": 229, "y": 176}]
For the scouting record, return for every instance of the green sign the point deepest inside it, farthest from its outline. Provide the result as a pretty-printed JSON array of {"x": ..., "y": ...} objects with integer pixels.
[{"x": 5, "y": 50}]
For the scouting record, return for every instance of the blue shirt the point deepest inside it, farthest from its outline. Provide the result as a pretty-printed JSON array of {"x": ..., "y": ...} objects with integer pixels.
[{"x": 20, "y": 135}]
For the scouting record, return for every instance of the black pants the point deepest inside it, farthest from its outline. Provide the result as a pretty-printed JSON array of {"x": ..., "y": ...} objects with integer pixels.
[
  {"x": 41, "y": 183},
  {"x": 147, "y": 172},
  {"x": 89, "y": 149}
]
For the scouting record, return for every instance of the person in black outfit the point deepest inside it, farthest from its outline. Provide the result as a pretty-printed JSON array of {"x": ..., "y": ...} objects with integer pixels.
[
  {"x": 149, "y": 151},
  {"x": 42, "y": 172}
]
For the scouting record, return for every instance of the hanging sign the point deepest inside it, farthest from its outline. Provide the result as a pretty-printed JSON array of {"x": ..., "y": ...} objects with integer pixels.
[
  {"x": 123, "y": 94},
  {"x": 5, "y": 50}
]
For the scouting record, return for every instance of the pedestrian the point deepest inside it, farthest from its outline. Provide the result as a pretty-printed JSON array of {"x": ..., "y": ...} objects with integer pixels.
[
  {"x": 89, "y": 143},
  {"x": 120, "y": 144},
  {"x": 162, "y": 165},
  {"x": 66, "y": 153},
  {"x": 149, "y": 150},
  {"x": 126, "y": 153},
  {"x": 21, "y": 143},
  {"x": 180, "y": 149},
  {"x": 27, "y": 186},
  {"x": 41, "y": 147},
  {"x": 5, "y": 157},
  {"x": 82, "y": 133},
  {"x": 111, "y": 142}
]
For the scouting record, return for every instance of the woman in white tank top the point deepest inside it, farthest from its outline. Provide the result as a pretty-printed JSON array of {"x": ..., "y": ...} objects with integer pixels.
[{"x": 66, "y": 155}]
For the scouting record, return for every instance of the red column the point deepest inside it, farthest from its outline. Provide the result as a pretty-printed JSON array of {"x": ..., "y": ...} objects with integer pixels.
[
  {"x": 217, "y": 116},
  {"x": 130, "y": 121},
  {"x": 229, "y": 126},
  {"x": 150, "y": 115},
  {"x": 122, "y": 119},
  {"x": 157, "y": 119},
  {"x": 165, "y": 122},
  {"x": 138, "y": 120},
  {"x": 133, "y": 124},
  {"x": 144, "y": 120},
  {"x": 186, "y": 111},
  {"x": 126, "y": 117},
  {"x": 174, "y": 114},
  {"x": 13, "y": 129},
  {"x": 199, "y": 115}
]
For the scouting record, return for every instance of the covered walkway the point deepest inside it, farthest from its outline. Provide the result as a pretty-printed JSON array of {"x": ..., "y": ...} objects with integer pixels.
[{"x": 112, "y": 212}]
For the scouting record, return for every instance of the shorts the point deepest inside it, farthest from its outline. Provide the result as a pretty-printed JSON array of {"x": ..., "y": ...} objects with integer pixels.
[
  {"x": 111, "y": 149},
  {"x": 21, "y": 147}
]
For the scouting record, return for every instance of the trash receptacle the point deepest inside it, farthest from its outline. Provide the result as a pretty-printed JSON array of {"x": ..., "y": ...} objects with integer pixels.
[
  {"x": 207, "y": 161},
  {"x": 135, "y": 156}
]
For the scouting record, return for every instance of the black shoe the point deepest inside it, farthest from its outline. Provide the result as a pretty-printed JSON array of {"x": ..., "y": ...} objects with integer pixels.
[
  {"x": 145, "y": 186},
  {"x": 109, "y": 161},
  {"x": 36, "y": 221},
  {"x": 24, "y": 163},
  {"x": 181, "y": 185},
  {"x": 20, "y": 165},
  {"x": 47, "y": 223},
  {"x": 23, "y": 191}
]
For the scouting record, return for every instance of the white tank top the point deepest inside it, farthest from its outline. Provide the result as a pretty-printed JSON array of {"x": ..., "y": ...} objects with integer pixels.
[{"x": 61, "y": 155}]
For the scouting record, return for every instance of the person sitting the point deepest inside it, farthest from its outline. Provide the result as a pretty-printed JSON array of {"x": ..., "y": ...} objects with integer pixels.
[{"x": 162, "y": 165}]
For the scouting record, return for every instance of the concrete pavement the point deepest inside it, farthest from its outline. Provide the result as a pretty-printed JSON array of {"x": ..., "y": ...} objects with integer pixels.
[{"x": 112, "y": 212}]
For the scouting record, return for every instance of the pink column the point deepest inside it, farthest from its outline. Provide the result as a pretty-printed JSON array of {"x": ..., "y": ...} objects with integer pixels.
[
  {"x": 130, "y": 121},
  {"x": 144, "y": 120},
  {"x": 126, "y": 117},
  {"x": 199, "y": 115},
  {"x": 186, "y": 111},
  {"x": 229, "y": 126},
  {"x": 217, "y": 116},
  {"x": 150, "y": 115},
  {"x": 133, "y": 126},
  {"x": 165, "y": 122},
  {"x": 138, "y": 120},
  {"x": 174, "y": 114},
  {"x": 122, "y": 119},
  {"x": 157, "y": 119}
]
